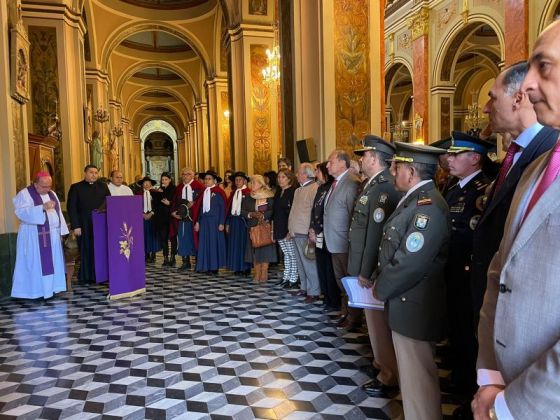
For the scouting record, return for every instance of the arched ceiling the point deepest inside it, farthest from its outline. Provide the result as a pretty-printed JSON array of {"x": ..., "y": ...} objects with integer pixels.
[
  {"x": 165, "y": 4},
  {"x": 157, "y": 54}
]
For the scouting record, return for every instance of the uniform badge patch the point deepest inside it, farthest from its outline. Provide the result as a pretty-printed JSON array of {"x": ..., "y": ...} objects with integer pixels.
[
  {"x": 379, "y": 215},
  {"x": 363, "y": 200},
  {"x": 421, "y": 221},
  {"x": 474, "y": 221},
  {"x": 414, "y": 242},
  {"x": 383, "y": 198},
  {"x": 480, "y": 202}
]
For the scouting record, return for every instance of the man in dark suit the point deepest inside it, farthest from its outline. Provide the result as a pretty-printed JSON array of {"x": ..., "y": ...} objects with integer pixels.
[
  {"x": 410, "y": 276},
  {"x": 510, "y": 111}
]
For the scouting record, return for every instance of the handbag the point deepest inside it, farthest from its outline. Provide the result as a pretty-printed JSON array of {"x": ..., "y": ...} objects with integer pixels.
[
  {"x": 309, "y": 250},
  {"x": 261, "y": 234}
]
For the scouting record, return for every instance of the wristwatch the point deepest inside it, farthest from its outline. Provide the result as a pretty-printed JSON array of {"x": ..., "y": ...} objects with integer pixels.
[{"x": 492, "y": 414}]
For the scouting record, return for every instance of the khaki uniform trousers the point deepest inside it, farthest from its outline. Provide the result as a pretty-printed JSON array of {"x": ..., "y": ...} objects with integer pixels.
[
  {"x": 418, "y": 378},
  {"x": 381, "y": 341}
]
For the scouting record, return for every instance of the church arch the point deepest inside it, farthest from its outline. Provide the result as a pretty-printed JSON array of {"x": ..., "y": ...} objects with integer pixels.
[
  {"x": 454, "y": 39},
  {"x": 165, "y": 89},
  {"x": 126, "y": 30},
  {"x": 550, "y": 12},
  {"x": 398, "y": 100},
  {"x": 154, "y": 168},
  {"x": 167, "y": 66}
]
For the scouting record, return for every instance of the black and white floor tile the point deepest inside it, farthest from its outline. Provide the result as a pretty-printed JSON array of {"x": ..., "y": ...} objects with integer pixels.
[{"x": 192, "y": 347}]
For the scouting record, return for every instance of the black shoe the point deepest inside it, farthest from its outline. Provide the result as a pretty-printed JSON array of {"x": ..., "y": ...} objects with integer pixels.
[
  {"x": 377, "y": 389},
  {"x": 186, "y": 264},
  {"x": 172, "y": 261},
  {"x": 152, "y": 257},
  {"x": 213, "y": 272},
  {"x": 463, "y": 412},
  {"x": 165, "y": 262}
]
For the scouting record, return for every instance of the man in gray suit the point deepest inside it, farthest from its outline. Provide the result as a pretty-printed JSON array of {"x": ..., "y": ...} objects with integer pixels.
[
  {"x": 339, "y": 204},
  {"x": 519, "y": 340}
]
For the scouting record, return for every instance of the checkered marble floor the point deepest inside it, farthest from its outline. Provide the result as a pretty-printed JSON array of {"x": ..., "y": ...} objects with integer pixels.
[{"x": 192, "y": 347}]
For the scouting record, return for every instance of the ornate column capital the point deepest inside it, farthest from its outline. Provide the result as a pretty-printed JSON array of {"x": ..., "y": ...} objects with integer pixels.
[{"x": 420, "y": 23}]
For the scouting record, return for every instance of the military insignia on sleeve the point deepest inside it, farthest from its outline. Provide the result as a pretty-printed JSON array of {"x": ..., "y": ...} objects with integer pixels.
[
  {"x": 480, "y": 202},
  {"x": 414, "y": 242},
  {"x": 424, "y": 201},
  {"x": 474, "y": 221},
  {"x": 379, "y": 215},
  {"x": 363, "y": 200},
  {"x": 383, "y": 198},
  {"x": 421, "y": 221}
]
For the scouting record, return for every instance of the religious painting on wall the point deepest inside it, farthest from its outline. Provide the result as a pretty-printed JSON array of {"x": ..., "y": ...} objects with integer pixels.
[
  {"x": 352, "y": 72},
  {"x": 258, "y": 7},
  {"x": 19, "y": 63},
  {"x": 260, "y": 105}
]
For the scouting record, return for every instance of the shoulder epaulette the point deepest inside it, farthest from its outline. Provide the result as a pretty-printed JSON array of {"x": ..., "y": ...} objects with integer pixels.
[
  {"x": 423, "y": 199},
  {"x": 479, "y": 184}
]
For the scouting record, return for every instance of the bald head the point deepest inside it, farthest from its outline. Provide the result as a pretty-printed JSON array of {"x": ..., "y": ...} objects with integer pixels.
[
  {"x": 43, "y": 183},
  {"x": 542, "y": 83},
  {"x": 117, "y": 178}
]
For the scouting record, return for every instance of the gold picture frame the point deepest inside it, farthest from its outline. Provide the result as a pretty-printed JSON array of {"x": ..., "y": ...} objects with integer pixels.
[{"x": 19, "y": 66}]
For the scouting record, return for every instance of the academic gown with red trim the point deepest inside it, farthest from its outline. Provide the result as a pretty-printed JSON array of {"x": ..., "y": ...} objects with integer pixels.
[{"x": 211, "y": 252}]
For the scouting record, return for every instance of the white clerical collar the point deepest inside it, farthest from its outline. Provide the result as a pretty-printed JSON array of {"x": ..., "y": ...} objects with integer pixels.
[{"x": 465, "y": 180}]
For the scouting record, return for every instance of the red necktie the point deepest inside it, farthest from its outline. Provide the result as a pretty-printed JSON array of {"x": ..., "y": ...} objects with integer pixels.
[
  {"x": 506, "y": 165},
  {"x": 333, "y": 185},
  {"x": 550, "y": 174}
]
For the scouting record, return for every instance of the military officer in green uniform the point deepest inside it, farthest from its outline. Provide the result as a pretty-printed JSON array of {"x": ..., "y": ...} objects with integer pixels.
[
  {"x": 410, "y": 276},
  {"x": 466, "y": 157},
  {"x": 373, "y": 206}
]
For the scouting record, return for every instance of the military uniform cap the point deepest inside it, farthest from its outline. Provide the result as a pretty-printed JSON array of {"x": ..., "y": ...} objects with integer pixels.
[
  {"x": 417, "y": 153},
  {"x": 463, "y": 142},
  {"x": 376, "y": 144},
  {"x": 443, "y": 143}
]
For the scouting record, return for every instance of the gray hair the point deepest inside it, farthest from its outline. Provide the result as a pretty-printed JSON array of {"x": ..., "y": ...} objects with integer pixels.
[
  {"x": 342, "y": 155},
  {"x": 514, "y": 76},
  {"x": 425, "y": 171},
  {"x": 308, "y": 170}
]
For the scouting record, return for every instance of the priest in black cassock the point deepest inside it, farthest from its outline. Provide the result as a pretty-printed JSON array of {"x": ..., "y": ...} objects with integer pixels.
[{"x": 84, "y": 197}]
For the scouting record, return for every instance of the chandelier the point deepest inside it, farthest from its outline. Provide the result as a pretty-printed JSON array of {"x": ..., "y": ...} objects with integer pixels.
[
  {"x": 271, "y": 73},
  {"x": 474, "y": 118}
]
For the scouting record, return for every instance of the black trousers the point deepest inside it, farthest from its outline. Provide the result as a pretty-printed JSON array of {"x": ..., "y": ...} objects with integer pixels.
[
  {"x": 327, "y": 281},
  {"x": 163, "y": 234}
]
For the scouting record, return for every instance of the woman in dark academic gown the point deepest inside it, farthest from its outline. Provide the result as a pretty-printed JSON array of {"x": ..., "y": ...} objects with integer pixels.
[
  {"x": 236, "y": 228},
  {"x": 162, "y": 218},
  {"x": 209, "y": 217},
  {"x": 255, "y": 207},
  {"x": 151, "y": 240}
]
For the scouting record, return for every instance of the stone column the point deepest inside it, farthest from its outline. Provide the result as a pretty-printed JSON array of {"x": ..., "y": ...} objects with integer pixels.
[
  {"x": 516, "y": 30},
  {"x": 442, "y": 106},
  {"x": 8, "y": 224},
  {"x": 254, "y": 106},
  {"x": 420, "y": 81},
  {"x": 217, "y": 87},
  {"x": 194, "y": 146},
  {"x": 201, "y": 111}
]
